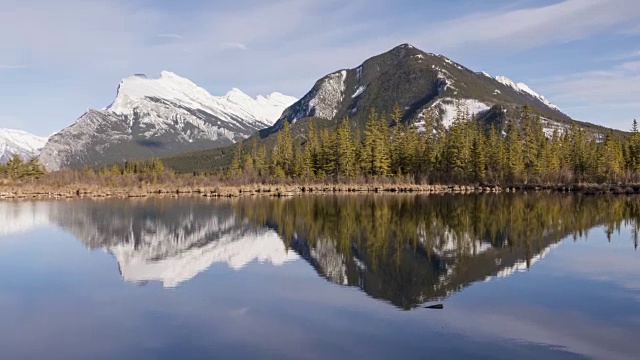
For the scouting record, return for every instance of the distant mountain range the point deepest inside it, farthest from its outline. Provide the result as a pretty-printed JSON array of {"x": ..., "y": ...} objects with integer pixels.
[
  {"x": 173, "y": 118},
  {"x": 21, "y": 143},
  {"x": 160, "y": 117}
]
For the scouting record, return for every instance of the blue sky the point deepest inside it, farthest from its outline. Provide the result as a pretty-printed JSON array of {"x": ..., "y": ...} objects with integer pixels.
[{"x": 59, "y": 58}]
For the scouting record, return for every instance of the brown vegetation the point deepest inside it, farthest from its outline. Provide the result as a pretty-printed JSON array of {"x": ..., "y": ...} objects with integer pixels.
[{"x": 88, "y": 183}]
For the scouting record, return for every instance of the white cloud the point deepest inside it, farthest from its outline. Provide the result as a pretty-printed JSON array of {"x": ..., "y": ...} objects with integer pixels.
[
  {"x": 532, "y": 27},
  {"x": 625, "y": 56},
  {"x": 283, "y": 32},
  {"x": 620, "y": 83},
  {"x": 597, "y": 95},
  {"x": 574, "y": 332},
  {"x": 232, "y": 45}
]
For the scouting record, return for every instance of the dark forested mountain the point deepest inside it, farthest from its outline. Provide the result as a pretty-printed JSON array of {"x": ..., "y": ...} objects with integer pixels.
[{"x": 418, "y": 82}]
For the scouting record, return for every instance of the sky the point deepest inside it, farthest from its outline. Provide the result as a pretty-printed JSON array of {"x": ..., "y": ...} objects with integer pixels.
[{"x": 60, "y": 58}]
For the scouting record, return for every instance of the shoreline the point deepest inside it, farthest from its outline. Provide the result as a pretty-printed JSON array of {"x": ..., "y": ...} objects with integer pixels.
[{"x": 82, "y": 192}]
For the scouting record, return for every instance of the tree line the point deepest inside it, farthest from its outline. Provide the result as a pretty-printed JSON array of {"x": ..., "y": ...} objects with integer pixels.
[
  {"x": 132, "y": 167},
  {"x": 17, "y": 168},
  {"x": 520, "y": 151}
]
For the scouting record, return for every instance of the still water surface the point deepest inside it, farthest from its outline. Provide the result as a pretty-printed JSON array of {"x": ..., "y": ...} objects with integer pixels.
[{"x": 526, "y": 276}]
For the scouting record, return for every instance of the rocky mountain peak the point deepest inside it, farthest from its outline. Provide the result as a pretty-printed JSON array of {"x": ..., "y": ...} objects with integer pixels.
[
  {"x": 155, "y": 117},
  {"x": 419, "y": 83},
  {"x": 18, "y": 142}
]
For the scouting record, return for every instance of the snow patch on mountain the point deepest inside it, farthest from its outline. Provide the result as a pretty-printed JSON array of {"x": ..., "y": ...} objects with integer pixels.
[
  {"x": 447, "y": 109},
  {"x": 456, "y": 65},
  {"x": 444, "y": 79},
  {"x": 359, "y": 91},
  {"x": 270, "y": 107},
  {"x": 135, "y": 90},
  {"x": 523, "y": 88},
  {"x": 550, "y": 126},
  {"x": 18, "y": 142}
]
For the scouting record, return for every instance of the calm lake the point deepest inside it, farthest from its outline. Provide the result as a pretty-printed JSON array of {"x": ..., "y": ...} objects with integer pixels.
[{"x": 520, "y": 276}]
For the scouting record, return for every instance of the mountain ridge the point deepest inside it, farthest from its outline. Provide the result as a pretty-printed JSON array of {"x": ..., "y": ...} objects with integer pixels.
[
  {"x": 159, "y": 117},
  {"x": 21, "y": 143},
  {"x": 417, "y": 81}
]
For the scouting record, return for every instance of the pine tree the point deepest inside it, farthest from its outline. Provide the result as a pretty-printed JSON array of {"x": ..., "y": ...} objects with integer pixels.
[
  {"x": 478, "y": 158},
  {"x": 374, "y": 158},
  {"x": 429, "y": 144},
  {"x": 369, "y": 144},
  {"x": 513, "y": 145},
  {"x": 115, "y": 170},
  {"x": 532, "y": 135},
  {"x": 458, "y": 146},
  {"x": 260, "y": 161},
  {"x": 578, "y": 153},
  {"x": 248, "y": 167},
  {"x": 397, "y": 140},
  {"x": 634, "y": 148},
  {"x": 399, "y": 149},
  {"x": 414, "y": 149},
  {"x": 237, "y": 161},
  {"x": 396, "y": 115},
  {"x": 33, "y": 169},
  {"x": 496, "y": 155},
  {"x": 282, "y": 159},
  {"x": 382, "y": 159},
  {"x": 326, "y": 156},
  {"x": 15, "y": 166},
  {"x": 553, "y": 156},
  {"x": 157, "y": 166},
  {"x": 610, "y": 160},
  {"x": 345, "y": 152},
  {"x": 313, "y": 148},
  {"x": 307, "y": 163},
  {"x": 298, "y": 164}
]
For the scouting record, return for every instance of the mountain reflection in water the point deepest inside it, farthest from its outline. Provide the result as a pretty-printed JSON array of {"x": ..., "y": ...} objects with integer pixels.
[{"x": 405, "y": 250}]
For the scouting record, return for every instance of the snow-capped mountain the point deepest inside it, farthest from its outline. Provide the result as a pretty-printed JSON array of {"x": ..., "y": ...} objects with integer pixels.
[
  {"x": 420, "y": 83},
  {"x": 522, "y": 87},
  {"x": 18, "y": 142},
  {"x": 160, "y": 117}
]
